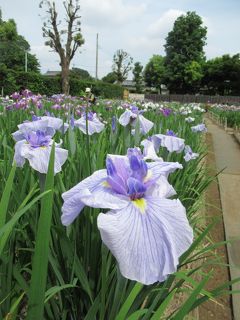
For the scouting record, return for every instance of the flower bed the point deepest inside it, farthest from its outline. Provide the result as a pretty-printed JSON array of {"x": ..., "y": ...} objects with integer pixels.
[{"x": 100, "y": 218}]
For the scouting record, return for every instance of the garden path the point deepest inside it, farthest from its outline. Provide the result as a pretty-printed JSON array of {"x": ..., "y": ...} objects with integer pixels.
[{"x": 227, "y": 155}]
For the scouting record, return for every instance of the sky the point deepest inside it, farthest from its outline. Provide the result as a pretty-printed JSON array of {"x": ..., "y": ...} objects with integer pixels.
[{"x": 139, "y": 27}]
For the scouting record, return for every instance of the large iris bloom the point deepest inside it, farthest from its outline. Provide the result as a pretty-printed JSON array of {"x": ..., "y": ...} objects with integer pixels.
[
  {"x": 94, "y": 124},
  {"x": 49, "y": 125},
  {"x": 36, "y": 148},
  {"x": 145, "y": 231},
  {"x": 130, "y": 117}
]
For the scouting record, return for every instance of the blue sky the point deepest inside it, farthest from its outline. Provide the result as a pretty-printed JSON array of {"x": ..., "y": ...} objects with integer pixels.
[{"x": 137, "y": 26}]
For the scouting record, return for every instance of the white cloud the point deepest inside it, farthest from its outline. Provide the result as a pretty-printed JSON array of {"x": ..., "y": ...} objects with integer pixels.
[
  {"x": 152, "y": 40},
  {"x": 163, "y": 24},
  {"x": 114, "y": 12}
]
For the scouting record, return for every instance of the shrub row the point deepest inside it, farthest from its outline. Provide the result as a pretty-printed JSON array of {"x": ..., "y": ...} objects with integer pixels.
[{"x": 37, "y": 83}]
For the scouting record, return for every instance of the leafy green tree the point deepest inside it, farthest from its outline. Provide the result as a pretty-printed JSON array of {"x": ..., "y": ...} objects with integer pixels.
[
  {"x": 110, "y": 77},
  {"x": 7, "y": 80},
  {"x": 64, "y": 41},
  {"x": 80, "y": 74},
  {"x": 222, "y": 75},
  {"x": 122, "y": 64},
  {"x": 154, "y": 73},
  {"x": 138, "y": 76},
  {"x": 184, "y": 54},
  {"x": 13, "y": 47}
]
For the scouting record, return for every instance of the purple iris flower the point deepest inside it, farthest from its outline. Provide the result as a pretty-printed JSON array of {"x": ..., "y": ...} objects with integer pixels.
[
  {"x": 114, "y": 124},
  {"x": 15, "y": 95},
  {"x": 166, "y": 112},
  {"x": 171, "y": 133},
  {"x": 130, "y": 117},
  {"x": 94, "y": 124},
  {"x": 149, "y": 151},
  {"x": 39, "y": 105},
  {"x": 35, "y": 118},
  {"x": 199, "y": 128},
  {"x": 36, "y": 148},
  {"x": 144, "y": 230},
  {"x": 88, "y": 115},
  {"x": 38, "y": 139},
  {"x": 134, "y": 109},
  {"x": 56, "y": 107},
  {"x": 169, "y": 141},
  {"x": 47, "y": 124},
  {"x": 189, "y": 154}
]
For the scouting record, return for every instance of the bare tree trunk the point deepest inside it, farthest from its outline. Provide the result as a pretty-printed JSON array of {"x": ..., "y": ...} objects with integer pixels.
[{"x": 65, "y": 77}]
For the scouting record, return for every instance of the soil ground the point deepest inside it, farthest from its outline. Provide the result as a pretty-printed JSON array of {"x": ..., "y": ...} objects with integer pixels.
[{"x": 221, "y": 309}]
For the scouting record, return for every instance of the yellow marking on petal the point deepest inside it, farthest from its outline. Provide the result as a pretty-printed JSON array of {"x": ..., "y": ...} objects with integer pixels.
[
  {"x": 140, "y": 204},
  {"x": 148, "y": 176},
  {"x": 43, "y": 147},
  {"x": 106, "y": 184}
]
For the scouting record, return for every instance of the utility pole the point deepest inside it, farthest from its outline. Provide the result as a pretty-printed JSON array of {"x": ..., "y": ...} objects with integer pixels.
[
  {"x": 26, "y": 61},
  {"x": 96, "y": 74}
]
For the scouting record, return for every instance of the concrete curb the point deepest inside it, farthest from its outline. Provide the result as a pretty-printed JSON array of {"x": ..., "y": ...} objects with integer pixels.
[{"x": 237, "y": 137}]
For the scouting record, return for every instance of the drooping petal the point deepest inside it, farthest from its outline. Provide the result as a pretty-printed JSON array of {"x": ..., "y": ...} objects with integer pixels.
[
  {"x": 163, "y": 168},
  {"x": 34, "y": 126},
  {"x": 94, "y": 125},
  {"x": 147, "y": 245},
  {"x": 39, "y": 157},
  {"x": 60, "y": 158},
  {"x": 53, "y": 122},
  {"x": 18, "y": 135},
  {"x": 41, "y": 125},
  {"x": 149, "y": 151},
  {"x": 145, "y": 124},
  {"x": 189, "y": 154},
  {"x": 161, "y": 188},
  {"x": 64, "y": 127},
  {"x": 20, "y": 160},
  {"x": 199, "y": 128},
  {"x": 92, "y": 191},
  {"x": 170, "y": 142},
  {"x": 125, "y": 117}
]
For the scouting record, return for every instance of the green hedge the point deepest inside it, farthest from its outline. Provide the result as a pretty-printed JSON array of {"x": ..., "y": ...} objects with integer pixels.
[{"x": 38, "y": 83}]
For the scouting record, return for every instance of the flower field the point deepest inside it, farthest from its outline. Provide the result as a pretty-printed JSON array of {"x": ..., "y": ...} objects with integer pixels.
[
  {"x": 100, "y": 209},
  {"x": 228, "y": 116}
]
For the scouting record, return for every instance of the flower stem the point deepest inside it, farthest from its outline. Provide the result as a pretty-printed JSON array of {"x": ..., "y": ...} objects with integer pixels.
[
  {"x": 87, "y": 138},
  {"x": 42, "y": 178}
]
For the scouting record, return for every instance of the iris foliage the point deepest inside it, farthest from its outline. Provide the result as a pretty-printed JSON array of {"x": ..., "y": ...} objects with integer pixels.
[{"x": 52, "y": 272}]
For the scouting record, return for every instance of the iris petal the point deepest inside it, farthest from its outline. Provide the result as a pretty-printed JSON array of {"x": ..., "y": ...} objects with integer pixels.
[
  {"x": 147, "y": 245},
  {"x": 125, "y": 118},
  {"x": 94, "y": 126},
  {"x": 145, "y": 124},
  {"x": 92, "y": 191},
  {"x": 170, "y": 142}
]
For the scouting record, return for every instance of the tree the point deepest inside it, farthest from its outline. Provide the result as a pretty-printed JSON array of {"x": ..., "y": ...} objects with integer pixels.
[
  {"x": 154, "y": 72},
  {"x": 55, "y": 37},
  {"x": 184, "y": 54},
  {"x": 222, "y": 75},
  {"x": 138, "y": 76},
  {"x": 13, "y": 48},
  {"x": 81, "y": 74},
  {"x": 110, "y": 77},
  {"x": 122, "y": 64}
]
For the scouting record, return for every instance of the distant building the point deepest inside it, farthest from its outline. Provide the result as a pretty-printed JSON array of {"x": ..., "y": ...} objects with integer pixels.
[
  {"x": 52, "y": 73},
  {"x": 131, "y": 86}
]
